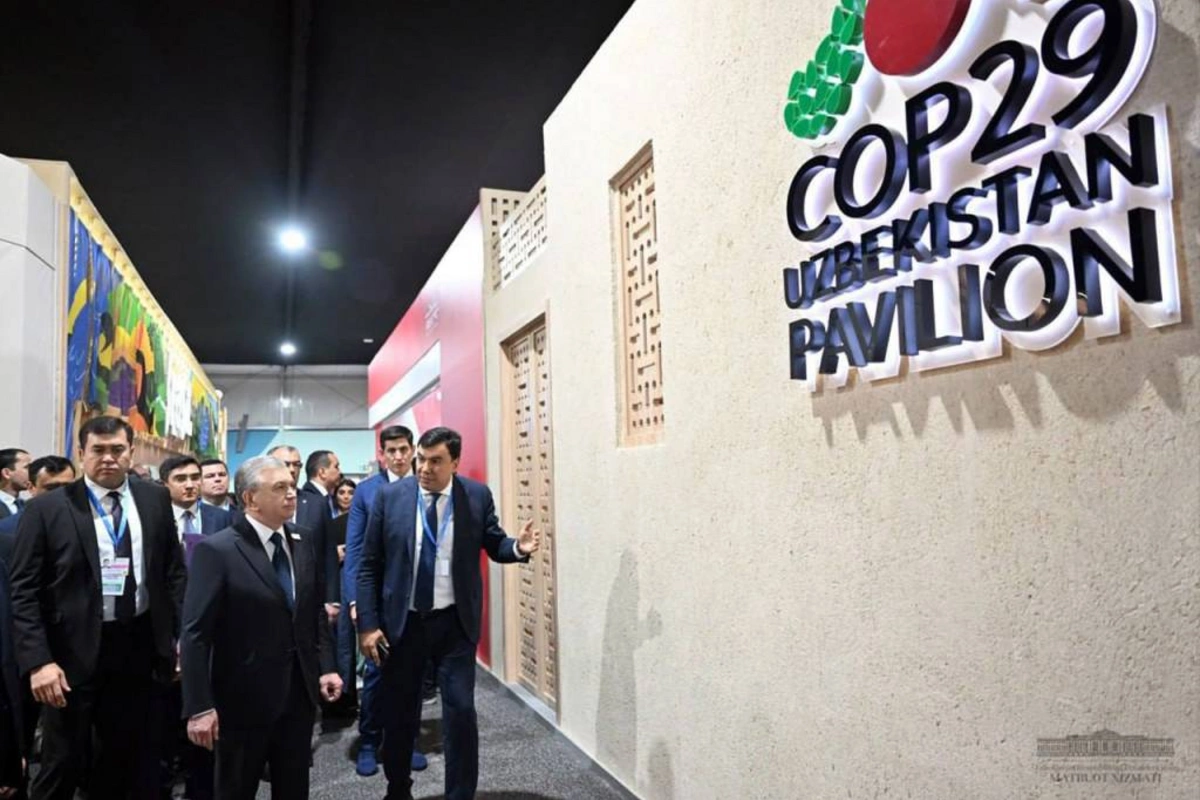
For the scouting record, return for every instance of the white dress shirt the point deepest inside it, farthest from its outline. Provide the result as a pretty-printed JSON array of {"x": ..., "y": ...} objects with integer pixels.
[
  {"x": 108, "y": 551},
  {"x": 443, "y": 585},
  {"x": 393, "y": 477},
  {"x": 8, "y": 500},
  {"x": 264, "y": 535}
]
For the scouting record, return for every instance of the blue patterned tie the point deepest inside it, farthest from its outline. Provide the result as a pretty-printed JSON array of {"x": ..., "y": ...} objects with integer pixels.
[
  {"x": 423, "y": 599},
  {"x": 282, "y": 571}
]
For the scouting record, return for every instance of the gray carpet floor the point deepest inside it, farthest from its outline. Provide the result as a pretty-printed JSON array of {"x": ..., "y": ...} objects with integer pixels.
[{"x": 521, "y": 757}]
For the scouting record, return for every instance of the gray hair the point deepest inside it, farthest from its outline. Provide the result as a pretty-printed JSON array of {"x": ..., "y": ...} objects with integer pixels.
[{"x": 249, "y": 474}]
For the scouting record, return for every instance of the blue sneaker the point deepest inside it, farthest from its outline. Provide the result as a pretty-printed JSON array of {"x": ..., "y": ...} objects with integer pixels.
[
  {"x": 419, "y": 761},
  {"x": 367, "y": 764}
]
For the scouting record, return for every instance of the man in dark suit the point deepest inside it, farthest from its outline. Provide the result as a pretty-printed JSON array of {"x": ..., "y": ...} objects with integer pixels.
[
  {"x": 194, "y": 520},
  {"x": 214, "y": 485},
  {"x": 18, "y": 709},
  {"x": 324, "y": 473},
  {"x": 256, "y": 651},
  {"x": 14, "y": 479},
  {"x": 420, "y": 599},
  {"x": 97, "y": 582},
  {"x": 45, "y": 473}
]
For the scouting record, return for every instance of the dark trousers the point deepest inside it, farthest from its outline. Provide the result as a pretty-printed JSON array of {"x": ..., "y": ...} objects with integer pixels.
[
  {"x": 437, "y": 637},
  {"x": 178, "y": 753},
  {"x": 12, "y": 776},
  {"x": 283, "y": 744},
  {"x": 111, "y": 713}
]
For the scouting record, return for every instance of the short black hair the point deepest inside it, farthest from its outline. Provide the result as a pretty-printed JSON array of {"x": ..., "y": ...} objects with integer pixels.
[
  {"x": 395, "y": 432},
  {"x": 104, "y": 426},
  {"x": 9, "y": 456},
  {"x": 51, "y": 465},
  {"x": 173, "y": 463},
  {"x": 440, "y": 435},
  {"x": 208, "y": 462},
  {"x": 346, "y": 482},
  {"x": 317, "y": 460}
]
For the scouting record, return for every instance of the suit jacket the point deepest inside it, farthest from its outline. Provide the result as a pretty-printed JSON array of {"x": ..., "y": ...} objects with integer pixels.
[
  {"x": 8, "y": 535},
  {"x": 55, "y": 570},
  {"x": 356, "y": 526},
  {"x": 213, "y": 519},
  {"x": 385, "y": 573},
  {"x": 5, "y": 511},
  {"x": 11, "y": 695},
  {"x": 240, "y": 641}
]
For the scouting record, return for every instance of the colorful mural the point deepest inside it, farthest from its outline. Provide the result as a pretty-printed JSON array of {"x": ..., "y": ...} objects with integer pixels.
[{"x": 119, "y": 360}]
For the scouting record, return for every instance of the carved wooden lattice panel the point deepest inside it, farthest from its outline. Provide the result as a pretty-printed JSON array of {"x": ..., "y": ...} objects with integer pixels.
[
  {"x": 544, "y": 517},
  {"x": 524, "y": 235},
  {"x": 640, "y": 325},
  {"x": 497, "y": 207},
  {"x": 530, "y": 476}
]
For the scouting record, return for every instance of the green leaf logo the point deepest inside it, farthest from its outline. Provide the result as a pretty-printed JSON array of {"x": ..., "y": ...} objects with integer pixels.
[{"x": 821, "y": 92}]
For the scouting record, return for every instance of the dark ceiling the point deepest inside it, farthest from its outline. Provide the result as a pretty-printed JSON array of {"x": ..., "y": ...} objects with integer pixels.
[{"x": 196, "y": 128}]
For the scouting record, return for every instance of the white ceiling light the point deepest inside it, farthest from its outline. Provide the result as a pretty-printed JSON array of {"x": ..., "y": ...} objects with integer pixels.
[
  {"x": 287, "y": 349},
  {"x": 293, "y": 239}
]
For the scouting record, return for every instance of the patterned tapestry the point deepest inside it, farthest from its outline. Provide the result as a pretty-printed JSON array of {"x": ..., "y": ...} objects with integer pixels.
[{"x": 119, "y": 361}]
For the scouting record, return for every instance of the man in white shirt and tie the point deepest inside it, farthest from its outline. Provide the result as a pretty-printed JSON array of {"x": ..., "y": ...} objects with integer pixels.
[
  {"x": 14, "y": 479},
  {"x": 422, "y": 545},
  {"x": 97, "y": 579},
  {"x": 257, "y": 653}
]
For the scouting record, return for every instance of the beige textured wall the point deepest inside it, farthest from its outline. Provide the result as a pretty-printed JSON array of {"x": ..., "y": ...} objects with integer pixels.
[{"x": 893, "y": 590}]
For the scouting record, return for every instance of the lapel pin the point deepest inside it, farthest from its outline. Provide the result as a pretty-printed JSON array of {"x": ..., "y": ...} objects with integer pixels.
[{"x": 296, "y": 536}]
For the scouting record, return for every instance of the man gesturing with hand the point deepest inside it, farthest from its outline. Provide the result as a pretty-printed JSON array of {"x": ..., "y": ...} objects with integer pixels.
[
  {"x": 420, "y": 597},
  {"x": 256, "y": 649}
]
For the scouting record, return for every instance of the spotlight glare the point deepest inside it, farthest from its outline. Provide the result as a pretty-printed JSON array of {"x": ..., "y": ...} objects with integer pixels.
[
  {"x": 287, "y": 349},
  {"x": 293, "y": 240}
]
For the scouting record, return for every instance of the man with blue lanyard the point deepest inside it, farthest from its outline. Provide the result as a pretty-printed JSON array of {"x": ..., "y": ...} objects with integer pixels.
[
  {"x": 420, "y": 599},
  {"x": 97, "y": 584}
]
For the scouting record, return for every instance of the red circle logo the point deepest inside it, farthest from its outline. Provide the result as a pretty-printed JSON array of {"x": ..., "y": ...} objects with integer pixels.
[{"x": 904, "y": 37}]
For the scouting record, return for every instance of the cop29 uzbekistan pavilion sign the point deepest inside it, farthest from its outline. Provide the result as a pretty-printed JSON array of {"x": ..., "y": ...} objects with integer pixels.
[{"x": 969, "y": 185}]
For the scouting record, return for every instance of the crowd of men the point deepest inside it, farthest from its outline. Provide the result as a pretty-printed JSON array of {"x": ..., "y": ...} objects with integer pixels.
[{"x": 155, "y": 632}]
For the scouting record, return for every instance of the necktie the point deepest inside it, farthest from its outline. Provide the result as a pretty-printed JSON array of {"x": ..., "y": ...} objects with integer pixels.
[
  {"x": 19, "y": 503},
  {"x": 282, "y": 571},
  {"x": 191, "y": 536},
  {"x": 423, "y": 599},
  {"x": 126, "y": 605}
]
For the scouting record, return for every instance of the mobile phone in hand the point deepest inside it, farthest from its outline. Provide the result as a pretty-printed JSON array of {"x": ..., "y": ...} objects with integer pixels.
[{"x": 381, "y": 647}]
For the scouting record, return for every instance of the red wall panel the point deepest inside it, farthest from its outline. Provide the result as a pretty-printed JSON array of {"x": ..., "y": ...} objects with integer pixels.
[{"x": 449, "y": 310}]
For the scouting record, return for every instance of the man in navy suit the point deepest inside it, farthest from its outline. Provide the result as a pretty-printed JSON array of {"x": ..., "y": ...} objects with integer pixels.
[
  {"x": 396, "y": 444},
  {"x": 182, "y": 475},
  {"x": 419, "y": 599}
]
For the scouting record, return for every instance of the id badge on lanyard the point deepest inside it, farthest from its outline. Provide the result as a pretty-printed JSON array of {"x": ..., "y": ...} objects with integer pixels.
[{"x": 114, "y": 572}]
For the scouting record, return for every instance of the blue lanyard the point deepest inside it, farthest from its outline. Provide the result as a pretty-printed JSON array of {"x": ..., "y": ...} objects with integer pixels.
[
  {"x": 106, "y": 518},
  {"x": 441, "y": 536}
]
